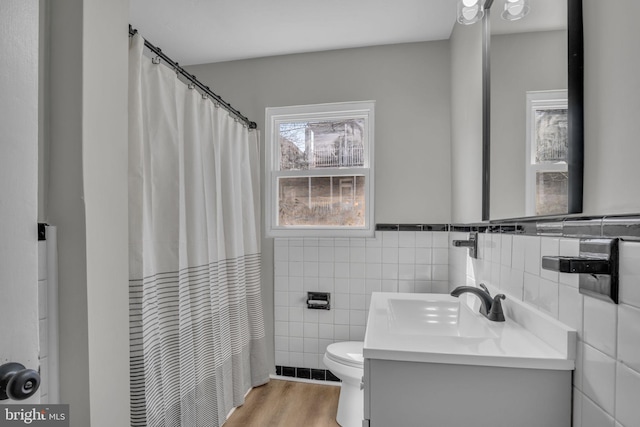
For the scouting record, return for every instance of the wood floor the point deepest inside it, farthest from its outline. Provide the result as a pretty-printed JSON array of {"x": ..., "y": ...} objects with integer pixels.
[{"x": 288, "y": 404}]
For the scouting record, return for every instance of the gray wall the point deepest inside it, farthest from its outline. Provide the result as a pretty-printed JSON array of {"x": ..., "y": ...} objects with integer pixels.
[
  {"x": 410, "y": 84},
  {"x": 66, "y": 208},
  {"x": 87, "y": 201},
  {"x": 612, "y": 107}
]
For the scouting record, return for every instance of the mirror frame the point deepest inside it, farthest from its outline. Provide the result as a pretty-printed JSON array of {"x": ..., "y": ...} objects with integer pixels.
[{"x": 575, "y": 86}]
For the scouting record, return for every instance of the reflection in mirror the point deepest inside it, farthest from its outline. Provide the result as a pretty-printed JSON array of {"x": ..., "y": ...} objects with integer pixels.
[
  {"x": 546, "y": 149},
  {"x": 532, "y": 167}
]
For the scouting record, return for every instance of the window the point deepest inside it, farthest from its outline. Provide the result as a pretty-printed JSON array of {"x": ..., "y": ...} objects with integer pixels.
[
  {"x": 319, "y": 161},
  {"x": 547, "y": 146}
]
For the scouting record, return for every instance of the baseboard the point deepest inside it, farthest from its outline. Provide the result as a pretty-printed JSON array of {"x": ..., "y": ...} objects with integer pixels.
[
  {"x": 306, "y": 373},
  {"x": 304, "y": 380}
]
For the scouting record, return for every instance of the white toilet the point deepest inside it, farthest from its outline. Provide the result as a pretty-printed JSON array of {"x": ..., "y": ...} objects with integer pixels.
[{"x": 346, "y": 362}]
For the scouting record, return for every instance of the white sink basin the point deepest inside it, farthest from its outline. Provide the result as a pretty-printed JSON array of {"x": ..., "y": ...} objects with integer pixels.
[
  {"x": 439, "y": 328},
  {"x": 442, "y": 316}
]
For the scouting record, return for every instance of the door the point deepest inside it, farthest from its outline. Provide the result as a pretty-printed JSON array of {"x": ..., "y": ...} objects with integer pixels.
[{"x": 18, "y": 184}]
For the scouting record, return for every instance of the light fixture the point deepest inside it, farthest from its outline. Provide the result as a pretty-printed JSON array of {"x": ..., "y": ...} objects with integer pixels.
[
  {"x": 470, "y": 11},
  {"x": 515, "y": 9}
]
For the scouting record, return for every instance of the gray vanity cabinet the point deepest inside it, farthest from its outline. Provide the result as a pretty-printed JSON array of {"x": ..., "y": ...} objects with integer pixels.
[{"x": 418, "y": 394}]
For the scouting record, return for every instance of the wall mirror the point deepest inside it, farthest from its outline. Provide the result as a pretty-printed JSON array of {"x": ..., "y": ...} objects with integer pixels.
[{"x": 533, "y": 109}]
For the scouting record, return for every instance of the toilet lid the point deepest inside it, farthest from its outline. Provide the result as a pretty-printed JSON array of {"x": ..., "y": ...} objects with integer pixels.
[{"x": 348, "y": 353}]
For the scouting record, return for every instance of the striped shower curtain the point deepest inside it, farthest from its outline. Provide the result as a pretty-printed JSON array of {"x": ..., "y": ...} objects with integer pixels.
[{"x": 197, "y": 329}]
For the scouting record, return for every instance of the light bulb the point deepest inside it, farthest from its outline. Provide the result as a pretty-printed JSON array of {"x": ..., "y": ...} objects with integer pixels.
[
  {"x": 470, "y": 11},
  {"x": 515, "y": 9}
]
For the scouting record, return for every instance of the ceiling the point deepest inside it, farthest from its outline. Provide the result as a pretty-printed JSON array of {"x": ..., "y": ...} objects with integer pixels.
[
  {"x": 544, "y": 15},
  {"x": 205, "y": 31}
]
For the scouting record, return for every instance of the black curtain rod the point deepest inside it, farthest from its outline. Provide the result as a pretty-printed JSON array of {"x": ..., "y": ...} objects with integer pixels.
[{"x": 217, "y": 99}]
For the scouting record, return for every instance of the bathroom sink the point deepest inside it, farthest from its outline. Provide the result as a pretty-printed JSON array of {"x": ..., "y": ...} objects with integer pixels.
[
  {"x": 441, "y": 316},
  {"x": 440, "y": 328}
]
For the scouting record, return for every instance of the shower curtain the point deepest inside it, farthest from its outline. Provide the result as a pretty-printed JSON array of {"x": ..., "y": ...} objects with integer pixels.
[{"x": 197, "y": 329}]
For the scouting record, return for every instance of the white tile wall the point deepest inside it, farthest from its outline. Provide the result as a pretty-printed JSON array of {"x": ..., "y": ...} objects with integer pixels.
[
  {"x": 607, "y": 376},
  {"x": 350, "y": 269},
  {"x": 598, "y": 381},
  {"x": 627, "y": 396},
  {"x": 592, "y": 415}
]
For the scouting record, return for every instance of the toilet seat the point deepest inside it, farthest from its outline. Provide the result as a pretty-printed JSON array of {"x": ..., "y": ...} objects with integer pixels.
[{"x": 347, "y": 353}]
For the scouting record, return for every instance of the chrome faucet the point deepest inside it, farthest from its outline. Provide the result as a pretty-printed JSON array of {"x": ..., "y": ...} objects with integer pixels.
[{"x": 491, "y": 308}]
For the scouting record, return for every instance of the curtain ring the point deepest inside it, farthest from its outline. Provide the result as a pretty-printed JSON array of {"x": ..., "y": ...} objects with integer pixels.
[
  {"x": 205, "y": 96},
  {"x": 216, "y": 104},
  {"x": 155, "y": 60},
  {"x": 191, "y": 86}
]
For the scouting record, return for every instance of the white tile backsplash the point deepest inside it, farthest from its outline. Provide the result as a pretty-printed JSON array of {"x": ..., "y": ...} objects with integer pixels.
[
  {"x": 532, "y": 255},
  {"x": 518, "y": 252},
  {"x": 549, "y": 246},
  {"x": 389, "y": 255},
  {"x": 424, "y": 240},
  {"x": 407, "y": 255},
  {"x": 593, "y": 415},
  {"x": 496, "y": 248},
  {"x": 407, "y": 239},
  {"x": 373, "y": 271},
  {"x": 569, "y": 247},
  {"x": 390, "y": 239},
  {"x": 440, "y": 239},
  {"x": 599, "y": 378},
  {"x": 531, "y": 288},
  {"x": 629, "y": 336},
  {"x": 373, "y": 255},
  {"x": 600, "y": 325},
  {"x": 357, "y": 270},
  {"x": 357, "y": 254},
  {"x": 548, "y": 297},
  {"x": 505, "y": 251},
  {"x": 570, "y": 307},
  {"x": 630, "y": 273},
  {"x": 627, "y": 396}
]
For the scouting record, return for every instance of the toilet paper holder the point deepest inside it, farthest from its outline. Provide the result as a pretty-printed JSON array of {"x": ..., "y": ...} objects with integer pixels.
[{"x": 319, "y": 300}]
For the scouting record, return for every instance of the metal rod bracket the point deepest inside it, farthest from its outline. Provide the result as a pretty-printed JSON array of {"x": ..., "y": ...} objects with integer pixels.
[{"x": 472, "y": 244}]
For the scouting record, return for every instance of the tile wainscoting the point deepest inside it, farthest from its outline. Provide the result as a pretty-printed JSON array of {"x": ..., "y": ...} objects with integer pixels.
[
  {"x": 350, "y": 269},
  {"x": 607, "y": 376}
]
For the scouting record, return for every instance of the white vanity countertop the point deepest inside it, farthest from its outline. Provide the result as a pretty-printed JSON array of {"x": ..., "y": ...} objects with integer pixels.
[{"x": 398, "y": 329}]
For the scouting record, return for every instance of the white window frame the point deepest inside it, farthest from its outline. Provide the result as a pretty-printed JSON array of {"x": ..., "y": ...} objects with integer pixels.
[
  {"x": 539, "y": 100},
  {"x": 275, "y": 116}
]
